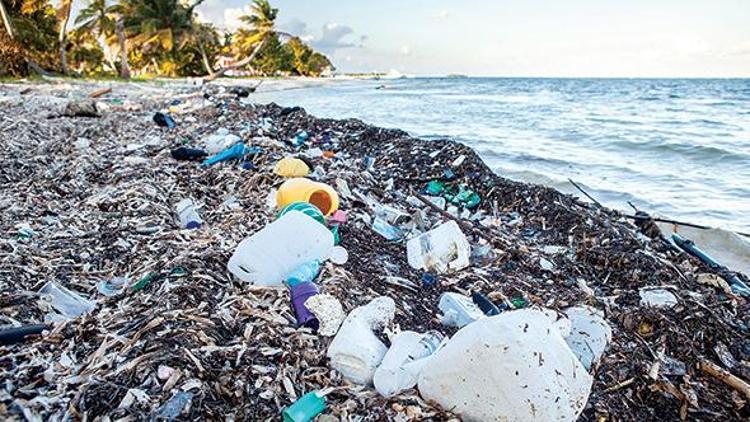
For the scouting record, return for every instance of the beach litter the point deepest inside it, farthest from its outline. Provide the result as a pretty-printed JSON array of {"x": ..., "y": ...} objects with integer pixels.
[{"x": 148, "y": 320}]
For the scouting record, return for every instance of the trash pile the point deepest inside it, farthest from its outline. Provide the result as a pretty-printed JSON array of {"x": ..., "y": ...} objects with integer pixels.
[{"x": 187, "y": 254}]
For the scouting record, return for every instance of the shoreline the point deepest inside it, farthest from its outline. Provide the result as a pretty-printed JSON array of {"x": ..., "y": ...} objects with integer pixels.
[{"x": 108, "y": 191}]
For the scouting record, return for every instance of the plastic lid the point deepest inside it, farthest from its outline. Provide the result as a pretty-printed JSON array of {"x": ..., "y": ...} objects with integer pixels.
[{"x": 339, "y": 255}]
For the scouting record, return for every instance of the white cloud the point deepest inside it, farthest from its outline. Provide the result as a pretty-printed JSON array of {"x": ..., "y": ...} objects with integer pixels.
[
  {"x": 443, "y": 14},
  {"x": 405, "y": 50},
  {"x": 232, "y": 17}
]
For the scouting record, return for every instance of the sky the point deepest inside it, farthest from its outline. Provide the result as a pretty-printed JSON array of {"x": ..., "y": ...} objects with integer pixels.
[{"x": 575, "y": 38}]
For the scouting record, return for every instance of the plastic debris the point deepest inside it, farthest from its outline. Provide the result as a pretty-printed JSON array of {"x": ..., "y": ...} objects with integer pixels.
[
  {"x": 220, "y": 141},
  {"x": 355, "y": 351},
  {"x": 657, "y": 297},
  {"x": 403, "y": 362},
  {"x": 113, "y": 286},
  {"x": 441, "y": 249},
  {"x": 389, "y": 232},
  {"x": 271, "y": 254},
  {"x": 291, "y": 167},
  {"x": 237, "y": 152},
  {"x": 305, "y": 190},
  {"x": 458, "y": 310},
  {"x": 188, "y": 215},
  {"x": 188, "y": 154},
  {"x": 164, "y": 120},
  {"x": 513, "y": 366},
  {"x": 485, "y": 304},
  {"x": 67, "y": 303},
  {"x": 174, "y": 406},
  {"x": 306, "y": 408},
  {"x": 589, "y": 335}
]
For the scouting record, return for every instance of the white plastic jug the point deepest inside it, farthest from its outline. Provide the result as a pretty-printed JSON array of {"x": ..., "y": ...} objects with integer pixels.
[
  {"x": 514, "y": 366},
  {"x": 441, "y": 249},
  {"x": 355, "y": 351},
  {"x": 403, "y": 362},
  {"x": 269, "y": 255}
]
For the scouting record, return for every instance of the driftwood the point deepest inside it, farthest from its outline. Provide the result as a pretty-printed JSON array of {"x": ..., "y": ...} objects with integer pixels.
[{"x": 725, "y": 376}]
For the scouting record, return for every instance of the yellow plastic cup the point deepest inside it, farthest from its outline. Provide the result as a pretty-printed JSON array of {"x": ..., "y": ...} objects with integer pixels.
[{"x": 305, "y": 190}]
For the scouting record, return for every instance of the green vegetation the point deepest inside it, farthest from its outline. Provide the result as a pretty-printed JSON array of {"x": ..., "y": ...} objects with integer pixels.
[{"x": 145, "y": 38}]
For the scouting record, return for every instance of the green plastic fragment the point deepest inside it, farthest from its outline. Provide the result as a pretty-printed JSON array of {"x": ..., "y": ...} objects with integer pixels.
[
  {"x": 145, "y": 281},
  {"x": 435, "y": 187}
]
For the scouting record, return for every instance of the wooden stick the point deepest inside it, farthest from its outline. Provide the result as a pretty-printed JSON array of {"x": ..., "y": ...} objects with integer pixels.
[
  {"x": 725, "y": 376},
  {"x": 99, "y": 92},
  {"x": 584, "y": 192},
  {"x": 616, "y": 387}
]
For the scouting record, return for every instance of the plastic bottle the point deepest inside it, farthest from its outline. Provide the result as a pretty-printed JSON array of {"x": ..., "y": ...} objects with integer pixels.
[
  {"x": 485, "y": 304},
  {"x": 188, "y": 214},
  {"x": 270, "y": 255},
  {"x": 305, "y": 273},
  {"x": 403, "y": 362},
  {"x": 305, "y": 190},
  {"x": 356, "y": 351},
  {"x": 458, "y": 310}
]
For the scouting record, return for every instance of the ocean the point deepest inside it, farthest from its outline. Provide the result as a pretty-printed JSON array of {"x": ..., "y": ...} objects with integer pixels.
[{"x": 677, "y": 148}]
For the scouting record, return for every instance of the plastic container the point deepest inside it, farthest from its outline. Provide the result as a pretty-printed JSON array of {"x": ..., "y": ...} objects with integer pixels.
[
  {"x": 355, "y": 351},
  {"x": 305, "y": 273},
  {"x": 306, "y": 408},
  {"x": 291, "y": 167},
  {"x": 271, "y": 254},
  {"x": 403, "y": 362},
  {"x": 305, "y": 190},
  {"x": 188, "y": 214},
  {"x": 458, "y": 310},
  {"x": 441, "y": 249},
  {"x": 300, "y": 292},
  {"x": 305, "y": 208},
  {"x": 515, "y": 366}
]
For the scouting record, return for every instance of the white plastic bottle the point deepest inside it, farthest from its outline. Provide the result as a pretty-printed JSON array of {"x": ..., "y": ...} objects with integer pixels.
[
  {"x": 442, "y": 249},
  {"x": 272, "y": 253},
  {"x": 403, "y": 362},
  {"x": 188, "y": 214}
]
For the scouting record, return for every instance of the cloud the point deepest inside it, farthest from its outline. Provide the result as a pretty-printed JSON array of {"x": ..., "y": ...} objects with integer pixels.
[
  {"x": 405, "y": 50},
  {"x": 333, "y": 37},
  {"x": 232, "y": 17},
  {"x": 443, "y": 14},
  {"x": 295, "y": 27}
]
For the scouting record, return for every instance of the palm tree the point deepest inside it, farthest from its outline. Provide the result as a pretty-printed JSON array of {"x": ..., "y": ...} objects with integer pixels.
[
  {"x": 6, "y": 20},
  {"x": 261, "y": 20},
  {"x": 63, "y": 16},
  {"x": 97, "y": 17},
  {"x": 166, "y": 25}
]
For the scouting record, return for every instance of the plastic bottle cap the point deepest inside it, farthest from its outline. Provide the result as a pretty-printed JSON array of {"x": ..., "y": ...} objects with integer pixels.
[{"x": 339, "y": 255}]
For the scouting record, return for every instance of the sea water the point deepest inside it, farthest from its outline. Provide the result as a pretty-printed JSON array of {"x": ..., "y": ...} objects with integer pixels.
[{"x": 678, "y": 148}]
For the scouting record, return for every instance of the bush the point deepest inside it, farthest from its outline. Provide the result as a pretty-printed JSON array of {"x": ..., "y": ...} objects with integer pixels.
[{"x": 12, "y": 60}]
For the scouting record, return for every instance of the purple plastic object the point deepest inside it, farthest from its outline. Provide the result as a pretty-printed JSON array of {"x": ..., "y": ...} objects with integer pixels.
[{"x": 300, "y": 293}]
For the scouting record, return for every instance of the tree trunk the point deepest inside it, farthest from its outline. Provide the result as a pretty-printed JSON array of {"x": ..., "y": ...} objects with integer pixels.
[
  {"x": 124, "y": 66},
  {"x": 64, "y": 15},
  {"x": 6, "y": 20},
  {"x": 238, "y": 64},
  {"x": 204, "y": 57}
]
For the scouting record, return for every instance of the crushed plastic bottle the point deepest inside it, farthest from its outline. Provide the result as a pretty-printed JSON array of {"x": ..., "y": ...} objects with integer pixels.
[
  {"x": 403, "y": 362},
  {"x": 188, "y": 214},
  {"x": 174, "y": 406},
  {"x": 458, "y": 310},
  {"x": 356, "y": 351}
]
